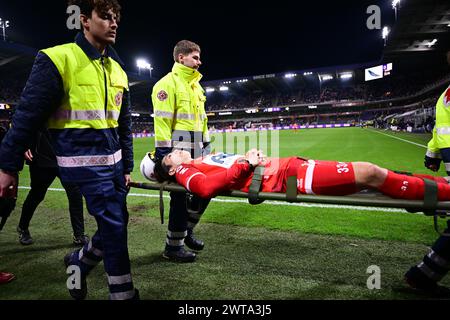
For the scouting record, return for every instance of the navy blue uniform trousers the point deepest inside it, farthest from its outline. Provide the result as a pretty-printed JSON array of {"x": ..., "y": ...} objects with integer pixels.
[{"x": 106, "y": 201}]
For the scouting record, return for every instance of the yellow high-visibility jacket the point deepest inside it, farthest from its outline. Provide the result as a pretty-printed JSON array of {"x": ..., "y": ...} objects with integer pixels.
[
  {"x": 179, "y": 108},
  {"x": 441, "y": 131},
  {"x": 90, "y": 101},
  {"x": 91, "y": 127}
]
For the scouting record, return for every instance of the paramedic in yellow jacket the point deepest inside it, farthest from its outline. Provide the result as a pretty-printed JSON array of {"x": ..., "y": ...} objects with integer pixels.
[
  {"x": 426, "y": 275},
  {"x": 181, "y": 123},
  {"x": 439, "y": 146}
]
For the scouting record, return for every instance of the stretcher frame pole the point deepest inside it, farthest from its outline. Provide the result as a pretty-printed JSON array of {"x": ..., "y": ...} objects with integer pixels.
[
  {"x": 353, "y": 200},
  {"x": 436, "y": 210}
]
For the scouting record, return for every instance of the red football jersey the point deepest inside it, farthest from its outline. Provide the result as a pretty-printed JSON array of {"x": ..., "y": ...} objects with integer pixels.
[{"x": 210, "y": 175}]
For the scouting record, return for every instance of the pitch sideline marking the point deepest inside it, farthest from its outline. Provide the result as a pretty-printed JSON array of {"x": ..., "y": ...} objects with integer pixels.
[
  {"x": 305, "y": 205},
  {"x": 404, "y": 140}
]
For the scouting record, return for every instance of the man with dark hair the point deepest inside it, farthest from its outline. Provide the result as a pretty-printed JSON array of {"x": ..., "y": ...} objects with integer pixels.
[
  {"x": 181, "y": 123},
  {"x": 208, "y": 176},
  {"x": 162, "y": 171},
  {"x": 81, "y": 91},
  {"x": 101, "y": 7}
]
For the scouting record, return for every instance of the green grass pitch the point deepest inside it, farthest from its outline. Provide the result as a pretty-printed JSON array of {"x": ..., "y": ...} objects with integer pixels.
[{"x": 271, "y": 251}]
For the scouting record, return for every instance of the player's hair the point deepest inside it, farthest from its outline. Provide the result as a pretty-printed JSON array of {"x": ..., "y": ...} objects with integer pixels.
[
  {"x": 161, "y": 171},
  {"x": 185, "y": 47},
  {"x": 101, "y": 6}
]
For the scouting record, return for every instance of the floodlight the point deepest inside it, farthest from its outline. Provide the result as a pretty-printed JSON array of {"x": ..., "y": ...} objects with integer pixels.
[
  {"x": 326, "y": 77},
  {"x": 346, "y": 76},
  {"x": 3, "y": 26},
  {"x": 143, "y": 64},
  {"x": 432, "y": 43},
  {"x": 385, "y": 32},
  {"x": 224, "y": 88}
]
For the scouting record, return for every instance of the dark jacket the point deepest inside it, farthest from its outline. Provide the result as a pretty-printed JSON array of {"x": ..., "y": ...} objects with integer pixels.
[
  {"x": 42, "y": 151},
  {"x": 2, "y": 133},
  {"x": 41, "y": 97},
  {"x": 7, "y": 205}
]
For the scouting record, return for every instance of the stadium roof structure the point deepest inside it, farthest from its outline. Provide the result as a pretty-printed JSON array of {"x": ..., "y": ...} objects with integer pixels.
[
  {"x": 418, "y": 40},
  {"x": 15, "y": 60},
  {"x": 279, "y": 82},
  {"x": 421, "y": 27},
  {"x": 408, "y": 45},
  {"x": 287, "y": 80},
  {"x": 275, "y": 82}
]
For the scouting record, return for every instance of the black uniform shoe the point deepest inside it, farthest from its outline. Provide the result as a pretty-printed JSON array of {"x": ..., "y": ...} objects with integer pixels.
[
  {"x": 424, "y": 286},
  {"x": 77, "y": 294},
  {"x": 24, "y": 236},
  {"x": 80, "y": 240},
  {"x": 179, "y": 255},
  {"x": 192, "y": 243}
]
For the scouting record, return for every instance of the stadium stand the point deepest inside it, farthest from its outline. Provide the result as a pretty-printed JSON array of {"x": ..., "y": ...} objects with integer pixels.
[{"x": 321, "y": 96}]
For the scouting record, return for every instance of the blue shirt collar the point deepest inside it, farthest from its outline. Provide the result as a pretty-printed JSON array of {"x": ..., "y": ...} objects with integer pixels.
[{"x": 92, "y": 52}]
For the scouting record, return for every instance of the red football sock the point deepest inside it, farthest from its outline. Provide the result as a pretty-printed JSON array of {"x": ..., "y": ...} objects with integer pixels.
[
  {"x": 409, "y": 187},
  {"x": 427, "y": 176}
]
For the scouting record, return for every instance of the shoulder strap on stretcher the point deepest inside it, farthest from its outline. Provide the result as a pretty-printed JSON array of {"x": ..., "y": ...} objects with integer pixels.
[
  {"x": 161, "y": 201},
  {"x": 255, "y": 186},
  {"x": 431, "y": 197},
  {"x": 430, "y": 203},
  {"x": 291, "y": 189},
  {"x": 291, "y": 183}
]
